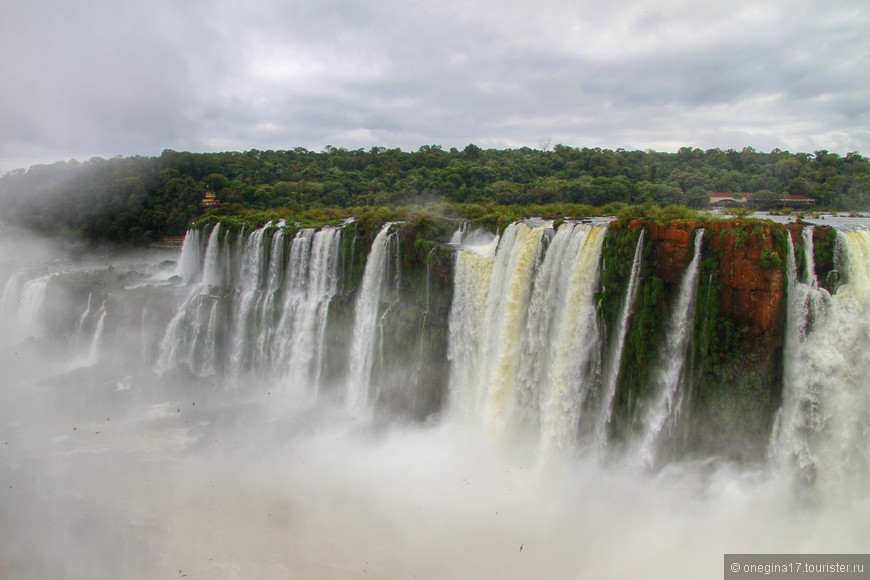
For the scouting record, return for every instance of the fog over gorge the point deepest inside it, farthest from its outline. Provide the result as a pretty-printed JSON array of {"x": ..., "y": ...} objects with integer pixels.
[{"x": 209, "y": 468}]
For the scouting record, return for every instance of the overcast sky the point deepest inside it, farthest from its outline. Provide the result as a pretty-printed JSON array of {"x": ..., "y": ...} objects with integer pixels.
[{"x": 90, "y": 78}]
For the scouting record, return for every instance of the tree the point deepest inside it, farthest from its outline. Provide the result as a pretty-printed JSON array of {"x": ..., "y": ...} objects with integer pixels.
[
  {"x": 472, "y": 152},
  {"x": 764, "y": 198},
  {"x": 787, "y": 169},
  {"x": 215, "y": 182}
]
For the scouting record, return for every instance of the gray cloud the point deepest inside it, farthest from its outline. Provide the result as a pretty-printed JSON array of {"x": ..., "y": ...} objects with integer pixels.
[{"x": 89, "y": 79}]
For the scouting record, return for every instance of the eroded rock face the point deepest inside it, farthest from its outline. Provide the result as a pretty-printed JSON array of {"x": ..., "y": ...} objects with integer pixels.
[
  {"x": 752, "y": 282},
  {"x": 672, "y": 247},
  {"x": 736, "y": 377},
  {"x": 752, "y": 289}
]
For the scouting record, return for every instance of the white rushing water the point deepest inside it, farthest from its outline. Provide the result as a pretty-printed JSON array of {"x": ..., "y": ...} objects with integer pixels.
[
  {"x": 822, "y": 429},
  {"x": 523, "y": 331},
  {"x": 672, "y": 356},
  {"x": 30, "y": 301},
  {"x": 212, "y": 467},
  {"x": 192, "y": 253},
  {"x": 251, "y": 310},
  {"x": 572, "y": 340},
  {"x": 365, "y": 326},
  {"x": 471, "y": 285},
  {"x": 611, "y": 376},
  {"x": 99, "y": 328},
  {"x": 310, "y": 308}
]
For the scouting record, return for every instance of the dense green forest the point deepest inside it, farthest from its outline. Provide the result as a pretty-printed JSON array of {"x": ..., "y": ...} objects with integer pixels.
[{"x": 138, "y": 200}]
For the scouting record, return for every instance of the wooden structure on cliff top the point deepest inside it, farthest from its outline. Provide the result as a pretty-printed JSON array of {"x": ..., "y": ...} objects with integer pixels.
[{"x": 210, "y": 200}]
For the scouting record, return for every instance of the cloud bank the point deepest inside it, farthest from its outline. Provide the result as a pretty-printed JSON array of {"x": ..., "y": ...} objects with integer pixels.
[{"x": 85, "y": 79}]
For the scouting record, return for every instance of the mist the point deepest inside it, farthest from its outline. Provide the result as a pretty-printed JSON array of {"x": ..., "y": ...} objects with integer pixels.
[{"x": 111, "y": 469}]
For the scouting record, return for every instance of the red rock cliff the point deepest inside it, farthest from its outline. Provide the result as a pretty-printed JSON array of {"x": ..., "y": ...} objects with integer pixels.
[
  {"x": 751, "y": 290},
  {"x": 753, "y": 294}
]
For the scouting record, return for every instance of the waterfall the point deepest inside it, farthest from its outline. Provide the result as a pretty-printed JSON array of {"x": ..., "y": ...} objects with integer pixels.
[
  {"x": 80, "y": 323},
  {"x": 822, "y": 427},
  {"x": 252, "y": 257},
  {"x": 190, "y": 262},
  {"x": 673, "y": 354},
  {"x": 365, "y": 326},
  {"x": 523, "y": 332},
  {"x": 197, "y": 313},
  {"x": 460, "y": 233},
  {"x": 503, "y": 324},
  {"x": 9, "y": 301},
  {"x": 337, "y": 404},
  {"x": 211, "y": 272},
  {"x": 30, "y": 300},
  {"x": 99, "y": 328},
  {"x": 611, "y": 376},
  {"x": 809, "y": 259},
  {"x": 293, "y": 301},
  {"x": 800, "y": 413},
  {"x": 266, "y": 317},
  {"x": 528, "y": 358},
  {"x": 313, "y": 285},
  {"x": 573, "y": 337},
  {"x": 255, "y": 311},
  {"x": 471, "y": 284}
]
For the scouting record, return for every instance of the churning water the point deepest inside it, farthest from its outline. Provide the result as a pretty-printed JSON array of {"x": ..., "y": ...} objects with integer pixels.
[{"x": 205, "y": 420}]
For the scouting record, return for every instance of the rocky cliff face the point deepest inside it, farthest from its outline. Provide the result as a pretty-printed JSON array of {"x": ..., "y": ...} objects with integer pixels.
[
  {"x": 750, "y": 276},
  {"x": 735, "y": 377}
]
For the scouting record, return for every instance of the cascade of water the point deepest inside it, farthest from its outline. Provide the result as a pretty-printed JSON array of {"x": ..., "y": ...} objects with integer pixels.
[
  {"x": 548, "y": 289},
  {"x": 267, "y": 315},
  {"x": 573, "y": 337},
  {"x": 9, "y": 302},
  {"x": 459, "y": 234},
  {"x": 504, "y": 323},
  {"x": 673, "y": 354},
  {"x": 316, "y": 283},
  {"x": 30, "y": 306},
  {"x": 190, "y": 262},
  {"x": 80, "y": 323},
  {"x": 211, "y": 274},
  {"x": 840, "y": 356},
  {"x": 389, "y": 299},
  {"x": 181, "y": 334},
  {"x": 99, "y": 328},
  {"x": 809, "y": 259},
  {"x": 169, "y": 344},
  {"x": 471, "y": 284},
  {"x": 611, "y": 376},
  {"x": 192, "y": 341},
  {"x": 365, "y": 321},
  {"x": 251, "y": 275},
  {"x": 800, "y": 413},
  {"x": 327, "y": 256},
  {"x": 523, "y": 342},
  {"x": 295, "y": 283},
  {"x": 209, "y": 346},
  {"x": 822, "y": 427}
]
